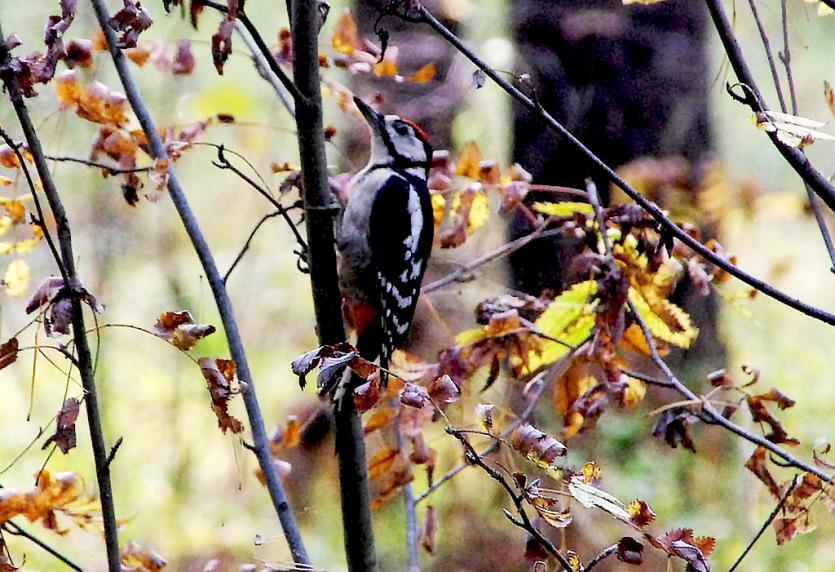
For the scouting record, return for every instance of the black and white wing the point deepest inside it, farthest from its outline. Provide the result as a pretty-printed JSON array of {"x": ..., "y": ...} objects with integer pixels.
[{"x": 400, "y": 237}]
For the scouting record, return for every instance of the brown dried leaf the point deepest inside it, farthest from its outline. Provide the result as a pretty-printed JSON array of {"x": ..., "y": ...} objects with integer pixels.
[
  {"x": 379, "y": 419},
  {"x": 219, "y": 375},
  {"x": 829, "y": 95},
  {"x": 427, "y": 537},
  {"x": 64, "y": 436},
  {"x": 757, "y": 405},
  {"x": 414, "y": 395},
  {"x": 630, "y": 551},
  {"x": 79, "y": 52},
  {"x": 183, "y": 59},
  {"x": 381, "y": 461},
  {"x": 8, "y": 353},
  {"x": 444, "y": 390},
  {"x": 640, "y": 513},
  {"x": 129, "y": 22},
  {"x": 536, "y": 446},
  {"x": 222, "y": 43},
  {"x": 673, "y": 427},
  {"x": 424, "y": 75},
  {"x": 332, "y": 361},
  {"x": 179, "y": 329},
  {"x": 682, "y": 544},
  {"x": 99, "y": 104},
  {"x": 758, "y": 464}
]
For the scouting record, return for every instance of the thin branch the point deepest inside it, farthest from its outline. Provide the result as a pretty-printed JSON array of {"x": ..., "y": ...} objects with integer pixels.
[
  {"x": 522, "y": 418},
  {"x": 248, "y": 242},
  {"x": 463, "y": 272},
  {"x": 16, "y": 530},
  {"x": 262, "y": 66},
  {"x": 769, "y": 56},
  {"x": 262, "y": 47},
  {"x": 410, "y": 506},
  {"x": 111, "y": 170},
  {"x": 276, "y": 490},
  {"x": 786, "y": 58},
  {"x": 766, "y": 524},
  {"x": 604, "y": 554},
  {"x": 754, "y": 99},
  {"x": 320, "y": 207},
  {"x": 223, "y": 163},
  {"x": 523, "y": 521},
  {"x": 74, "y": 290},
  {"x": 609, "y": 173}
]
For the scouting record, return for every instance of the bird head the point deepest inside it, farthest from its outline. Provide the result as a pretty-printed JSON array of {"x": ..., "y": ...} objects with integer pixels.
[{"x": 396, "y": 142}]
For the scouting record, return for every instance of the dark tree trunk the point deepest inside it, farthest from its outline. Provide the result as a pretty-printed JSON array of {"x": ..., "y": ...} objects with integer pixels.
[{"x": 629, "y": 82}]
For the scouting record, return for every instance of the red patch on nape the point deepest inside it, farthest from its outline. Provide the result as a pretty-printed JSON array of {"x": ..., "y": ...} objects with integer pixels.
[{"x": 420, "y": 132}]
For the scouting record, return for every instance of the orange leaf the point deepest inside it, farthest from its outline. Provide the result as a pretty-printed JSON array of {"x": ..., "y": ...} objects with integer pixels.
[
  {"x": 344, "y": 33},
  {"x": 381, "y": 461},
  {"x": 425, "y": 74},
  {"x": 469, "y": 161}
]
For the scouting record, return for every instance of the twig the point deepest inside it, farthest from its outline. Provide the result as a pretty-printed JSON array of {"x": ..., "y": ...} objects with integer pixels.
[
  {"x": 504, "y": 250},
  {"x": 767, "y": 45},
  {"x": 601, "y": 557},
  {"x": 223, "y": 163},
  {"x": 111, "y": 170},
  {"x": 16, "y": 530},
  {"x": 261, "y": 45},
  {"x": 523, "y": 417},
  {"x": 276, "y": 490},
  {"x": 248, "y": 242},
  {"x": 765, "y": 525},
  {"x": 609, "y": 173},
  {"x": 786, "y": 58},
  {"x": 523, "y": 521},
  {"x": 113, "y": 450},
  {"x": 74, "y": 287},
  {"x": 410, "y": 506},
  {"x": 319, "y": 210},
  {"x": 753, "y": 98},
  {"x": 262, "y": 66}
]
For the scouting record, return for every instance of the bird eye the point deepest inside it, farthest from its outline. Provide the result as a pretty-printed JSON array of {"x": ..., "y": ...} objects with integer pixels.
[{"x": 401, "y": 128}]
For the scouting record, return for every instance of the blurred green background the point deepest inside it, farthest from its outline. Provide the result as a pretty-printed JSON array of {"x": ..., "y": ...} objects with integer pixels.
[{"x": 189, "y": 491}]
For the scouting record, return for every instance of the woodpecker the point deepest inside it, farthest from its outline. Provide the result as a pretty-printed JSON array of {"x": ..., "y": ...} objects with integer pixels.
[{"x": 385, "y": 236}]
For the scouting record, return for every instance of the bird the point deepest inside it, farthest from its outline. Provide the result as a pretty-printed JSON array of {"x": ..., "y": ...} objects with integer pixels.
[{"x": 385, "y": 236}]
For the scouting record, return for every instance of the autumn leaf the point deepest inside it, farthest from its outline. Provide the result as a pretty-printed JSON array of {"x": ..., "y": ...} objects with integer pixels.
[
  {"x": 136, "y": 558},
  {"x": 97, "y": 103},
  {"x": 17, "y": 278},
  {"x": 682, "y": 544},
  {"x": 344, "y": 33},
  {"x": 566, "y": 208},
  {"x": 219, "y": 375},
  {"x": 673, "y": 427},
  {"x": 536, "y": 446},
  {"x": 179, "y": 329},
  {"x": 129, "y": 22},
  {"x": 468, "y": 162},
  {"x": 757, "y": 405},
  {"x": 67, "y": 88},
  {"x": 64, "y": 436},
  {"x": 62, "y": 493},
  {"x": 381, "y": 417},
  {"x": 381, "y": 461},
  {"x": 427, "y": 537},
  {"x": 791, "y": 130},
  {"x": 8, "y": 353},
  {"x": 331, "y": 361},
  {"x": 630, "y": 551},
  {"x": 424, "y": 75},
  {"x": 640, "y": 514}
]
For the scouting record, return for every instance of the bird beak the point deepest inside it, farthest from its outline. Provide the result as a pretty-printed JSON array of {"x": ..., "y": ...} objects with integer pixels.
[{"x": 374, "y": 119}]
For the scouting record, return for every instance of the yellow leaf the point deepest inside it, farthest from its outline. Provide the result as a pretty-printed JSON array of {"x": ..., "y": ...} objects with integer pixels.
[
  {"x": 5, "y": 224},
  {"x": 386, "y": 68},
  {"x": 438, "y": 206},
  {"x": 563, "y": 209},
  {"x": 66, "y": 88},
  {"x": 17, "y": 278},
  {"x": 469, "y": 337},
  {"x": 673, "y": 325},
  {"x": 570, "y": 318},
  {"x": 424, "y": 74},
  {"x": 469, "y": 161},
  {"x": 5, "y": 181},
  {"x": 479, "y": 212},
  {"x": 344, "y": 33},
  {"x": 634, "y": 392},
  {"x": 29, "y": 243}
]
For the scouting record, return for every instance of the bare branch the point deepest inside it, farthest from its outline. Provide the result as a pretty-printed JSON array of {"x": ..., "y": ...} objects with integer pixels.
[
  {"x": 320, "y": 207},
  {"x": 523, "y": 520},
  {"x": 247, "y": 244},
  {"x": 754, "y": 99},
  {"x": 72, "y": 283},
  {"x": 111, "y": 170},
  {"x": 604, "y": 554},
  {"x": 276, "y": 490},
  {"x": 15, "y": 530},
  {"x": 765, "y": 525}
]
